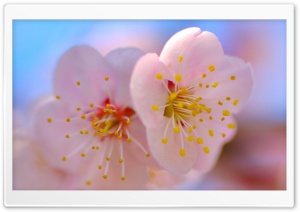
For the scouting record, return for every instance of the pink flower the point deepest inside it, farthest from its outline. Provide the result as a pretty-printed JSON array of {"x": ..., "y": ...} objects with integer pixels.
[
  {"x": 186, "y": 98},
  {"x": 91, "y": 130}
]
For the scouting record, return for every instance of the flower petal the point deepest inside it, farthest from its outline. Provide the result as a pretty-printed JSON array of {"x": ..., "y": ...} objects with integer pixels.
[
  {"x": 51, "y": 137},
  {"x": 147, "y": 91},
  {"x": 223, "y": 132},
  {"x": 168, "y": 154},
  {"x": 123, "y": 61},
  {"x": 192, "y": 52},
  {"x": 84, "y": 65},
  {"x": 235, "y": 84}
]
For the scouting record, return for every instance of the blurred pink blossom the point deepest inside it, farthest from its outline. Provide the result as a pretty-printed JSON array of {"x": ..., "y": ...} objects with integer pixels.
[{"x": 186, "y": 97}]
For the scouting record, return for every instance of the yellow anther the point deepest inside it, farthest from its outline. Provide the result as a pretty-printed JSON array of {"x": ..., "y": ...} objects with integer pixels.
[
  {"x": 194, "y": 113},
  {"x": 176, "y": 129},
  {"x": 178, "y": 77},
  {"x": 210, "y": 118},
  {"x": 199, "y": 140},
  {"x": 128, "y": 121},
  {"x": 223, "y": 135},
  {"x": 211, "y": 68},
  {"x": 222, "y": 119},
  {"x": 180, "y": 104},
  {"x": 97, "y": 147},
  {"x": 121, "y": 160},
  {"x": 215, "y": 84},
  {"x": 148, "y": 155},
  {"x": 159, "y": 76},
  {"x": 78, "y": 83},
  {"x": 198, "y": 99},
  {"x": 108, "y": 105},
  {"x": 180, "y": 58},
  {"x": 64, "y": 158},
  {"x": 81, "y": 132},
  {"x": 119, "y": 137},
  {"x": 220, "y": 103},
  {"x": 207, "y": 86},
  {"x": 93, "y": 147},
  {"x": 155, "y": 107},
  {"x": 78, "y": 108},
  {"x": 129, "y": 139},
  {"x": 194, "y": 126},
  {"x": 228, "y": 98},
  {"x": 182, "y": 152},
  {"x": 67, "y": 136},
  {"x": 190, "y": 129},
  {"x": 106, "y": 78},
  {"x": 232, "y": 77},
  {"x": 211, "y": 133},
  {"x": 91, "y": 105},
  {"x": 206, "y": 149},
  {"x": 49, "y": 120},
  {"x": 99, "y": 167},
  {"x": 226, "y": 113},
  {"x": 57, "y": 97},
  {"x": 201, "y": 120},
  {"x": 190, "y": 138},
  {"x": 183, "y": 90},
  {"x": 200, "y": 85},
  {"x": 123, "y": 178},
  {"x": 83, "y": 116},
  {"x": 82, "y": 155},
  {"x": 235, "y": 102},
  {"x": 164, "y": 140},
  {"x": 105, "y": 176},
  {"x": 172, "y": 96},
  {"x": 107, "y": 158},
  {"x": 88, "y": 183},
  {"x": 231, "y": 125},
  {"x": 86, "y": 132},
  {"x": 68, "y": 119},
  {"x": 203, "y": 75},
  {"x": 208, "y": 110}
]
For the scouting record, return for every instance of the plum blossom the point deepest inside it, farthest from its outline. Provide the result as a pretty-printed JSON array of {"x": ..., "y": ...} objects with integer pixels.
[
  {"x": 186, "y": 98},
  {"x": 90, "y": 128}
]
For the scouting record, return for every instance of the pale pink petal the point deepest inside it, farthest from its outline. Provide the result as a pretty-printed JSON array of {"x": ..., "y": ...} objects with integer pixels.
[
  {"x": 122, "y": 61},
  {"x": 239, "y": 89},
  {"x": 168, "y": 154},
  {"x": 51, "y": 137},
  {"x": 147, "y": 91},
  {"x": 191, "y": 52},
  {"x": 228, "y": 127},
  {"x": 85, "y": 65}
]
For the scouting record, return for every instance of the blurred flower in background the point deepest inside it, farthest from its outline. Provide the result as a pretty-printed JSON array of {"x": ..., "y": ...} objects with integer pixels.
[{"x": 255, "y": 159}]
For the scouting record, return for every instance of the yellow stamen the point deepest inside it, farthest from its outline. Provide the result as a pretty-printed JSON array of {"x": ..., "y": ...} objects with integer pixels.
[
  {"x": 220, "y": 103},
  {"x": 180, "y": 58},
  {"x": 91, "y": 105},
  {"x": 207, "y": 86},
  {"x": 107, "y": 158},
  {"x": 182, "y": 152},
  {"x": 129, "y": 140},
  {"x": 88, "y": 183},
  {"x": 199, "y": 140},
  {"x": 123, "y": 178},
  {"x": 190, "y": 138},
  {"x": 64, "y": 158},
  {"x": 49, "y": 120},
  {"x": 223, "y": 135},
  {"x": 232, "y": 77},
  {"x": 206, "y": 149},
  {"x": 172, "y": 96},
  {"x": 81, "y": 132},
  {"x": 128, "y": 121},
  {"x": 83, "y": 116},
  {"x": 210, "y": 117},
  {"x": 203, "y": 75},
  {"x": 200, "y": 85},
  {"x": 121, "y": 160},
  {"x": 178, "y": 77},
  {"x": 231, "y": 125},
  {"x": 68, "y": 119},
  {"x": 211, "y": 133},
  {"x": 86, "y": 132},
  {"x": 211, "y": 68},
  {"x": 201, "y": 120},
  {"x": 99, "y": 167},
  {"x": 190, "y": 129},
  {"x": 155, "y": 107},
  {"x": 235, "y": 102},
  {"x": 105, "y": 176},
  {"x": 194, "y": 126},
  {"x": 228, "y": 98},
  {"x": 82, "y": 155},
  {"x": 78, "y": 83},
  {"x": 164, "y": 140},
  {"x": 159, "y": 76},
  {"x": 176, "y": 129},
  {"x": 67, "y": 136},
  {"x": 222, "y": 119},
  {"x": 226, "y": 113},
  {"x": 148, "y": 155},
  {"x": 106, "y": 78},
  {"x": 215, "y": 84},
  {"x": 78, "y": 108},
  {"x": 57, "y": 97}
]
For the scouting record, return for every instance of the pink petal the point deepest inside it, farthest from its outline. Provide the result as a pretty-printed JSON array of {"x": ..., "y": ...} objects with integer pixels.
[
  {"x": 238, "y": 90},
  {"x": 205, "y": 162},
  {"x": 51, "y": 137},
  {"x": 85, "y": 65},
  {"x": 123, "y": 61},
  {"x": 168, "y": 154},
  {"x": 147, "y": 91},
  {"x": 198, "y": 51}
]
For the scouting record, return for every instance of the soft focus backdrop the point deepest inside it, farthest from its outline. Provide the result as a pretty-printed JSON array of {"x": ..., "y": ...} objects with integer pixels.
[{"x": 255, "y": 159}]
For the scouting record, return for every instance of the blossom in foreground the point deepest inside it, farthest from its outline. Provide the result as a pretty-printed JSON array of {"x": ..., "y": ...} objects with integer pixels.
[
  {"x": 186, "y": 97},
  {"x": 90, "y": 129}
]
